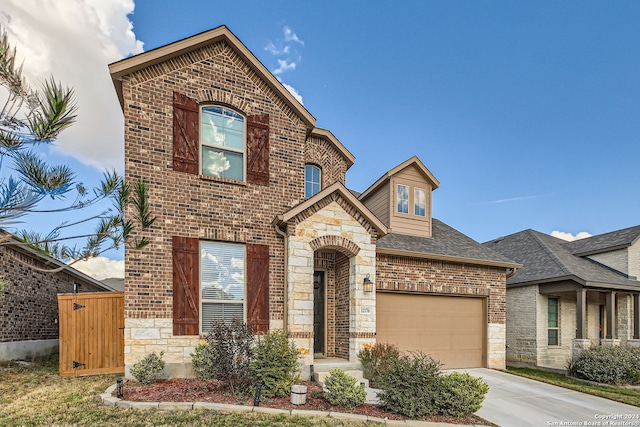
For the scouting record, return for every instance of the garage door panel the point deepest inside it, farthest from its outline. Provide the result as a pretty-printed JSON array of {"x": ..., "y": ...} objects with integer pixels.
[{"x": 450, "y": 329}]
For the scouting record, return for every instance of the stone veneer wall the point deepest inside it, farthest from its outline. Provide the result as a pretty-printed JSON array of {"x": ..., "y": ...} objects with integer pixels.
[
  {"x": 521, "y": 324},
  {"x": 332, "y": 225},
  {"x": 556, "y": 356},
  {"x": 443, "y": 277},
  {"x": 202, "y": 206}
]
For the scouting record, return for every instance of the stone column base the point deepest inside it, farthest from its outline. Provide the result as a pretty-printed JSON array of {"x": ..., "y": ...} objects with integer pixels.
[
  {"x": 578, "y": 346},
  {"x": 633, "y": 343},
  {"x": 610, "y": 342}
]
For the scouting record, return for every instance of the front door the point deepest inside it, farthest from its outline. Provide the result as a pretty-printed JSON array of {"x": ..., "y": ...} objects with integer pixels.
[{"x": 318, "y": 312}]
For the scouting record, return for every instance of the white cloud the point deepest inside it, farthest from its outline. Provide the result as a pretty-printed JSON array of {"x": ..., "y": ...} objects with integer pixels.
[
  {"x": 75, "y": 40},
  {"x": 101, "y": 268},
  {"x": 289, "y": 35},
  {"x": 570, "y": 237},
  {"x": 293, "y": 92},
  {"x": 284, "y": 65},
  {"x": 272, "y": 49}
]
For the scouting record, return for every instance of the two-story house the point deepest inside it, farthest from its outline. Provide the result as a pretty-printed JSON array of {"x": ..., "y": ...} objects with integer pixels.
[
  {"x": 570, "y": 295},
  {"x": 254, "y": 221}
]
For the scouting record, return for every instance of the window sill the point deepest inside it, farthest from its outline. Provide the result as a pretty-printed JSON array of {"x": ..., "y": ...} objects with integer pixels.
[{"x": 223, "y": 180}]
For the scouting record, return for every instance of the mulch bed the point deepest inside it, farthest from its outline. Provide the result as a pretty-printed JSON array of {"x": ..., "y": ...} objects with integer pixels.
[{"x": 196, "y": 390}]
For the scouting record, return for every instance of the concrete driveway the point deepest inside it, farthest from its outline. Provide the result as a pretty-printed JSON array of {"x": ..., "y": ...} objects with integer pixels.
[{"x": 519, "y": 402}]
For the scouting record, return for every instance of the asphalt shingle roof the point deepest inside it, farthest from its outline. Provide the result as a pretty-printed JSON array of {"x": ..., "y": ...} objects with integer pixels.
[
  {"x": 546, "y": 258},
  {"x": 445, "y": 241},
  {"x": 604, "y": 242}
]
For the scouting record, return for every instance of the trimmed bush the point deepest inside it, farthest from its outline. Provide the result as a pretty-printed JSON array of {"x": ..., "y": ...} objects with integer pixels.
[
  {"x": 376, "y": 359},
  {"x": 410, "y": 385},
  {"x": 204, "y": 361},
  {"x": 343, "y": 390},
  {"x": 460, "y": 394},
  {"x": 149, "y": 369},
  {"x": 275, "y": 363},
  {"x": 607, "y": 364},
  {"x": 227, "y": 356}
]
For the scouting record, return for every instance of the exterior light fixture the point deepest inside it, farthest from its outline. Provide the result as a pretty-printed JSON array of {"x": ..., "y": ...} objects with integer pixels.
[
  {"x": 367, "y": 284},
  {"x": 119, "y": 391}
]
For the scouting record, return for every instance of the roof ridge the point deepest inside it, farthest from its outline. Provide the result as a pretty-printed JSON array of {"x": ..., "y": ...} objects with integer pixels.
[{"x": 551, "y": 254}]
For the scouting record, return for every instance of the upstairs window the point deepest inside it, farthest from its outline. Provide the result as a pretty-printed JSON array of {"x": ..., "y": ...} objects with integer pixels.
[
  {"x": 312, "y": 180},
  {"x": 419, "y": 202},
  {"x": 222, "y": 137},
  {"x": 553, "y": 316},
  {"x": 403, "y": 199}
]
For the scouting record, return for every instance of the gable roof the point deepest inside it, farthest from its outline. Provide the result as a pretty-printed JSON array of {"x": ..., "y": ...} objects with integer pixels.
[
  {"x": 339, "y": 188},
  {"x": 446, "y": 243},
  {"x": 22, "y": 247},
  {"x": 546, "y": 259},
  {"x": 326, "y": 134},
  {"x": 606, "y": 242},
  {"x": 412, "y": 161},
  {"x": 138, "y": 62}
]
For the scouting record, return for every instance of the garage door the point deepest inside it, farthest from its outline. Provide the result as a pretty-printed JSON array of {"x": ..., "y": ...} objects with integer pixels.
[{"x": 450, "y": 329}]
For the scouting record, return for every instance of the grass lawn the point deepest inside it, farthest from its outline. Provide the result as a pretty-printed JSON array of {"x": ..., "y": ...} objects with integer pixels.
[
  {"x": 35, "y": 395},
  {"x": 630, "y": 396}
]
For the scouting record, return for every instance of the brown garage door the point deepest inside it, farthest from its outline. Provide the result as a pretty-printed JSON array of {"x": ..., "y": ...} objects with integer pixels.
[{"x": 450, "y": 329}]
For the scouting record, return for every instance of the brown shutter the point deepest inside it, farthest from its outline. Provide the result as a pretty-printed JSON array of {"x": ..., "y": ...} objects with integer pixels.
[
  {"x": 258, "y": 149},
  {"x": 186, "y": 286},
  {"x": 258, "y": 287},
  {"x": 186, "y": 143}
]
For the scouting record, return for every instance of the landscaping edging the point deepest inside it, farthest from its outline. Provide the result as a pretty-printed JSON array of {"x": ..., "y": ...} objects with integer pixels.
[{"x": 109, "y": 400}]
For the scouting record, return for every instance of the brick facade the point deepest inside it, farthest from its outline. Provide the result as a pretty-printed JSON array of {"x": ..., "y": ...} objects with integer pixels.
[
  {"x": 207, "y": 207},
  {"x": 405, "y": 274},
  {"x": 29, "y": 298}
]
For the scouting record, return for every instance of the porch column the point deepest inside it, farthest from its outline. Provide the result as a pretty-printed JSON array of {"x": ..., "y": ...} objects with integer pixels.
[
  {"x": 581, "y": 311},
  {"x": 611, "y": 318},
  {"x": 636, "y": 316}
]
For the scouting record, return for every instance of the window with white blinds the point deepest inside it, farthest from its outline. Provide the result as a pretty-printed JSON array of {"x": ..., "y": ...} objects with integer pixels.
[{"x": 222, "y": 282}]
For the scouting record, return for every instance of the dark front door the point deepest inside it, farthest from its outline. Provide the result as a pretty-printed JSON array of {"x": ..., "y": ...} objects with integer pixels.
[{"x": 318, "y": 312}]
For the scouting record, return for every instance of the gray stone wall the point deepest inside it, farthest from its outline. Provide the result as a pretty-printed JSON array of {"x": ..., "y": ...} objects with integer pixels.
[{"x": 521, "y": 324}]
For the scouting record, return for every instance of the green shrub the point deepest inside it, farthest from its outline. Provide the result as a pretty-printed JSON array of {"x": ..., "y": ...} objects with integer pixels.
[
  {"x": 149, "y": 369},
  {"x": 343, "y": 390},
  {"x": 376, "y": 359},
  {"x": 227, "y": 356},
  {"x": 275, "y": 363},
  {"x": 204, "y": 360},
  {"x": 606, "y": 364},
  {"x": 460, "y": 394},
  {"x": 410, "y": 385}
]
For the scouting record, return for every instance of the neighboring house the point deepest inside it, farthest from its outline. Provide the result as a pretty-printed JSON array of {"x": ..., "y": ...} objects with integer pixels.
[
  {"x": 254, "y": 222},
  {"x": 29, "y": 299},
  {"x": 570, "y": 295}
]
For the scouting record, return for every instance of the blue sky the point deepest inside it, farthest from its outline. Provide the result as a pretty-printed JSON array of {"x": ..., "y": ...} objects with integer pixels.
[{"x": 527, "y": 112}]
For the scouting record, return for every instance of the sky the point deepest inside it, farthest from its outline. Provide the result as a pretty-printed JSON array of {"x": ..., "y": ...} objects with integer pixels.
[{"x": 528, "y": 113}]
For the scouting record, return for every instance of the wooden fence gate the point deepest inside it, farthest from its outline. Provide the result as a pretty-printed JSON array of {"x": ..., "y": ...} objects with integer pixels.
[{"x": 91, "y": 333}]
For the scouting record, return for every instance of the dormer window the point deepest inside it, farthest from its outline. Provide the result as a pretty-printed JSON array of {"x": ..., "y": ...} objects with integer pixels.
[
  {"x": 403, "y": 199},
  {"x": 312, "y": 180},
  {"x": 222, "y": 137},
  {"x": 419, "y": 202}
]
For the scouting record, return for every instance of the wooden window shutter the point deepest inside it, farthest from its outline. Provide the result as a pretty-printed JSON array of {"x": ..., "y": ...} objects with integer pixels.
[
  {"x": 258, "y": 287},
  {"x": 186, "y": 286},
  {"x": 258, "y": 149},
  {"x": 186, "y": 140}
]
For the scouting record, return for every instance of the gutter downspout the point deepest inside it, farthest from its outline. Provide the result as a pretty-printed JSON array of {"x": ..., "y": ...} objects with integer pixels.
[
  {"x": 512, "y": 272},
  {"x": 285, "y": 315}
]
